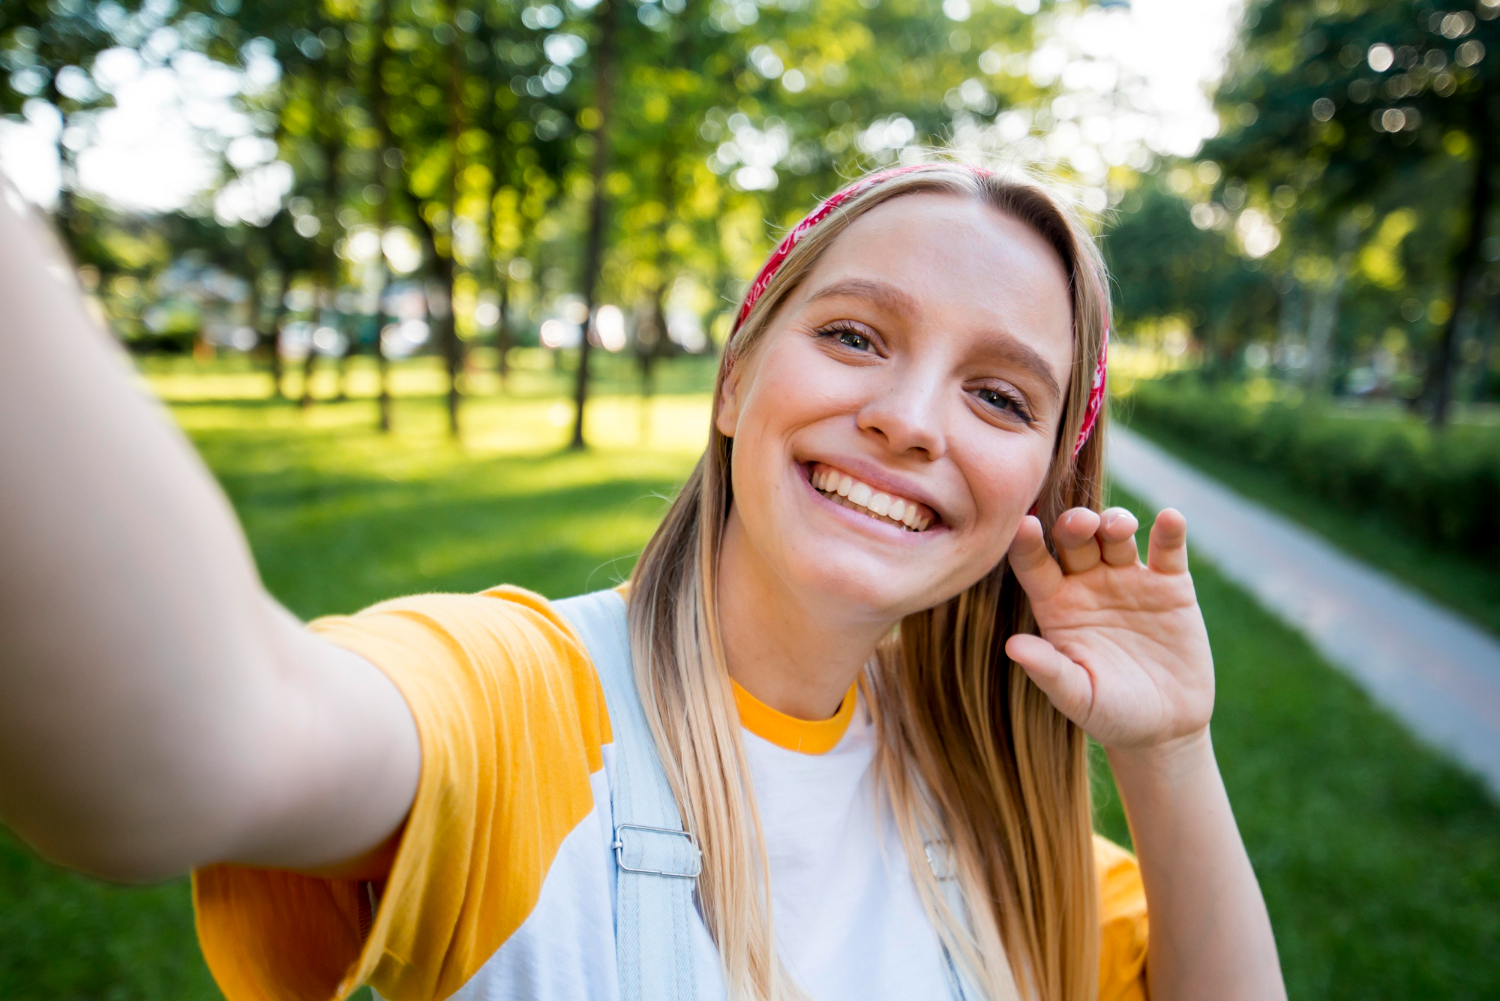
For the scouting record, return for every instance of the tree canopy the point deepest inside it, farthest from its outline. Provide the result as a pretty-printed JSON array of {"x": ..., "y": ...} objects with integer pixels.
[{"x": 516, "y": 162}]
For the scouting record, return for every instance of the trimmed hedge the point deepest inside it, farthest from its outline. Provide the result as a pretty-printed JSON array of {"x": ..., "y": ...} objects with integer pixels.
[{"x": 1442, "y": 487}]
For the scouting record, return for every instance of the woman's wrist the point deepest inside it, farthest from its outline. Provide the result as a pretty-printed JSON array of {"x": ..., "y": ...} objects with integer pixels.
[{"x": 1171, "y": 767}]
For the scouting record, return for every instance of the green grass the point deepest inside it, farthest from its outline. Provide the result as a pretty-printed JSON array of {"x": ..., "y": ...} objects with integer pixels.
[
  {"x": 1380, "y": 861},
  {"x": 65, "y": 937}
]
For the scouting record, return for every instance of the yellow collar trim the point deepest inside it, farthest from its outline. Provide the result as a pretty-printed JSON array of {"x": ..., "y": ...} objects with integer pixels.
[{"x": 801, "y": 735}]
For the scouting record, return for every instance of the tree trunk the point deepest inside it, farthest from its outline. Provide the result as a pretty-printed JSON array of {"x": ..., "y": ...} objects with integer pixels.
[
  {"x": 65, "y": 215},
  {"x": 1289, "y": 323},
  {"x": 273, "y": 335},
  {"x": 453, "y": 355},
  {"x": 593, "y": 248},
  {"x": 650, "y": 346},
  {"x": 266, "y": 322},
  {"x": 1323, "y": 318},
  {"x": 306, "y": 400},
  {"x": 343, "y": 361},
  {"x": 1468, "y": 265},
  {"x": 312, "y": 352},
  {"x": 441, "y": 318},
  {"x": 453, "y": 352},
  {"x": 379, "y": 103},
  {"x": 278, "y": 365},
  {"x": 382, "y": 361},
  {"x": 331, "y": 146},
  {"x": 649, "y": 338},
  {"x": 502, "y": 329},
  {"x": 1485, "y": 332}
]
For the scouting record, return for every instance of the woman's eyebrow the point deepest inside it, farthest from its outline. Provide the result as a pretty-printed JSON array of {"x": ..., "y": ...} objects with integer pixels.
[
  {"x": 1024, "y": 355},
  {"x": 885, "y": 295}
]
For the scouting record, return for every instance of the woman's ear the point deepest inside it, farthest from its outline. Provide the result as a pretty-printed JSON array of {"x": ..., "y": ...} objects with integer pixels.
[{"x": 727, "y": 418}]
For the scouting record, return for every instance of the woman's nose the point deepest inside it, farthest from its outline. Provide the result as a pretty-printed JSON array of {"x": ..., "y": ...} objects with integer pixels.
[{"x": 905, "y": 409}]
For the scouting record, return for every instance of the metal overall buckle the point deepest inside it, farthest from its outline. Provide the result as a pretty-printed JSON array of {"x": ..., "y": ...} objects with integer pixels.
[{"x": 619, "y": 846}]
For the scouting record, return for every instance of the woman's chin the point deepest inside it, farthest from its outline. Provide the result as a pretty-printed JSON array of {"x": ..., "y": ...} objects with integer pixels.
[{"x": 865, "y": 588}]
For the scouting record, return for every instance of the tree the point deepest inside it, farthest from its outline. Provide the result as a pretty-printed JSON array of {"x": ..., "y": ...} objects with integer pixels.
[
  {"x": 1168, "y": 267},
  {"x": 49, "y": 49},
  {"x": 605, "y": 57},
  {"x": 1374, "y": 108},
  {"x": 624, "y": 142}
]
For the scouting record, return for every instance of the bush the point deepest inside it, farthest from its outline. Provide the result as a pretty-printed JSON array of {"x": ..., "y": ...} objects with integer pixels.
[{"x": 1442, "y": 487}]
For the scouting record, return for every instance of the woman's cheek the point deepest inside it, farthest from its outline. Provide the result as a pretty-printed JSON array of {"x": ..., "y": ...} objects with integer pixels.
[{"x": 1009, "y": 496}]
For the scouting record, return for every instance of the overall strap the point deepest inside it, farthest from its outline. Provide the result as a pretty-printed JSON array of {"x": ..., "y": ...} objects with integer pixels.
[
  {"x": 657, "y": 862},
  {"x": 939, "y": 852}
]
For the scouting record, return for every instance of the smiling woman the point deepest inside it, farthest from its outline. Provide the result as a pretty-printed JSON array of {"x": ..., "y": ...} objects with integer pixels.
[
  {"x": 829, "y": 742},
  {"x": 933, "y": 337}
]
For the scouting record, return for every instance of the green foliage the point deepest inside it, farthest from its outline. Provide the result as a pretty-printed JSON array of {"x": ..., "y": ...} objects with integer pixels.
[
  {"x": 1306, "y": 98},
  {"x": 1443, "y": 486},
  {"x": 473, "y": 123},
  {"x": 1362, "y": 137},
  {"x": 1464, "y": 581},
  {"x": 1167, "y": 268},
  {"x": 46, "y": 47}
]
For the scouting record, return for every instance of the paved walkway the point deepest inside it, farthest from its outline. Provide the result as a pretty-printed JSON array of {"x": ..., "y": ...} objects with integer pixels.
[{"x": 1429, "y": 666}]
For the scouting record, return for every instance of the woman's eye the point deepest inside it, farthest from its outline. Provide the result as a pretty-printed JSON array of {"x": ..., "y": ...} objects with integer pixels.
[
  {"x": 852, "y": 339},
  {"x": 1003, "y": 401}
]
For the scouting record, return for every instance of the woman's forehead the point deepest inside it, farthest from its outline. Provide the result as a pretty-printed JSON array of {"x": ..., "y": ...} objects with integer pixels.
[
  {"x": 930, "y": 231},
  {"x": 949, "y": 256}
]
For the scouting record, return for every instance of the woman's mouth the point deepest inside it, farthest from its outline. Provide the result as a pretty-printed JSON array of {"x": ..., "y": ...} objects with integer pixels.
[{"x": 851, "y": 492}]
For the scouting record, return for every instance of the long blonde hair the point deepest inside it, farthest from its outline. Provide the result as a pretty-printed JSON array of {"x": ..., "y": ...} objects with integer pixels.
[{"x": 972, "y": 753}]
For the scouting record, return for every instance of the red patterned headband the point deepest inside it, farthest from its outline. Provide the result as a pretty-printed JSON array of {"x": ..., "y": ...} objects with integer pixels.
[{"x": 823, "y": 211}]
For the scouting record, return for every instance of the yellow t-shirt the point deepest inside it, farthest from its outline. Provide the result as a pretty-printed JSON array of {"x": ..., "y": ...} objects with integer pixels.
[{"x": 501, "y": 885}]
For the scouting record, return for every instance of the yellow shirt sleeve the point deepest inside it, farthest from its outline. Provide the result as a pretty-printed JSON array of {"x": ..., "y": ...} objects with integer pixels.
[
  {"x": 511, "y": 720},
  {"x": 1123, "y": 926}
]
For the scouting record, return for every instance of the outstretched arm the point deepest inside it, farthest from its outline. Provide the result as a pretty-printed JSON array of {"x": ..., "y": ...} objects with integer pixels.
[
  {"x": 1124, "y": 654},
  {"x": 158, "y": 710}
]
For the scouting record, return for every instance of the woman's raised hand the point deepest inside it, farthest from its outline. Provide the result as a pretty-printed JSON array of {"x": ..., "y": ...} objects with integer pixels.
[{"x": 1123, "y": 651}]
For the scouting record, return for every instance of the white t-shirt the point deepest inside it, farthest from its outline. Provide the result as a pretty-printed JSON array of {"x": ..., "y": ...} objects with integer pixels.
[
  {"x": 502, "y": 888},
  {"x": 848, "y": 921}
]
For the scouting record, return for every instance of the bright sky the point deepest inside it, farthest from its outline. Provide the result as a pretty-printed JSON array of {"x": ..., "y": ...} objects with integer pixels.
[
  {"x": 1177, "y": 50},
  {"x": 148, "y": 152}
]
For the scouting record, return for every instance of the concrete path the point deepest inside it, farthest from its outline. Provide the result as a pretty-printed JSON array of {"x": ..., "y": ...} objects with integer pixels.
[{"x": 1429, "y": 666}]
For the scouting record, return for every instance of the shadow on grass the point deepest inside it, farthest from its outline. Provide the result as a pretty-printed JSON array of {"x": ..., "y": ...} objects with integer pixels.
[
  {"x": 337, "y": 543},
  {"x": 66, "y": 937}
]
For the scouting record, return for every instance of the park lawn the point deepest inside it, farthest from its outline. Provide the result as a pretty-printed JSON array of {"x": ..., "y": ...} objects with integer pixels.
[
  {"x": 1380, "y": 861},
  {"x": 1379, "y": 858}
]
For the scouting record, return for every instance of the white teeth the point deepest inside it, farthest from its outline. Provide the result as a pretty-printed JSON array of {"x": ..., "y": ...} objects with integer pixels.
[{"x": 862, "y": 495}]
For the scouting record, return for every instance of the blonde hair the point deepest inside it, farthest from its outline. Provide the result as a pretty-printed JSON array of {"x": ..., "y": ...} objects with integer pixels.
[{"x": 971, "y": 751}]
